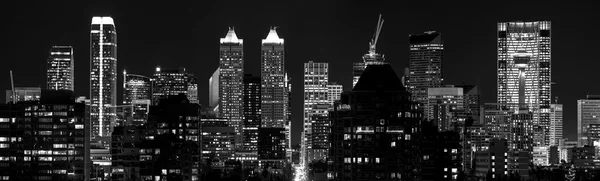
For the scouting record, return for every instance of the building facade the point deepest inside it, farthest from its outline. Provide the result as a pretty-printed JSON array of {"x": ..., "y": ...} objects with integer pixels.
[
  {"x": 23, "y": 94},
  {"x": 173, "y": 81},
  {"x": 273, "y": 78},
  {"x": 213, "y": 91},
  {"x": 103, "y": 77},
  {"x": 556, "y": 124},
  {"x": 442, "y": 105},
  {"x": 588, "y": 112},
  {"x": 524, "y": 49},
  {"x": 251, "y": 121},
  {"x": 316, "y": 79},
  {"x": 231, "y": 82},
  {"x": 45, "y": 139},
  {"x": 60, "y": 71},
  {"x": 425, "y": 65}
]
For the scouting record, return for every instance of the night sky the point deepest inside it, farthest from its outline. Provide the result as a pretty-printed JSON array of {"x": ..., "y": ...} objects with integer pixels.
[{"x": 186, "y": 34}]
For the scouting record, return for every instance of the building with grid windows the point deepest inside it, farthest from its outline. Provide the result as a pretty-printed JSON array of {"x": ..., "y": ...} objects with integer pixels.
[
  {"x": 231, "y": 82},
  {"x": 425, "y": 65},
  {"x": 588, "y": 113},
  {"x": 60, "y": 71},
  {"x": 173, "y": 81},
  {"x": 524, "y": 49}
]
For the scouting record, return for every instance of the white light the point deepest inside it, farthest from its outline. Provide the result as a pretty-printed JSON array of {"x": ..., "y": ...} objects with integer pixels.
[
  {"x": 231, "y": 37},
  {"x": 102, "y": 20},
  {"x": 158, "y": 69},
  {"x": 272, "y": 37}
]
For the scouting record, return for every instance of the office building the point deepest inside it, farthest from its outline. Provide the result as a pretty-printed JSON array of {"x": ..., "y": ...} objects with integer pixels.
[
  {"x": 137, "y": 91},
  {"x": 23, "y": 94},
  {"x": 442, "y": 105},
  {"x": 493, "y": 160},
  {"x": 173, "y": 81},
  {"x": 272, "y": 145},
  {"x": 371, "y": 58},
  {"x": 524, "y": 50},
  {"x": 373, "y": 130},
  {"x": 231, "y": 82},
  {"x": 251, "y": 121},
  {"x": 334, "y": 91},
  {"x": 103, "y": 77},
  {"x": 471, "y": 100},
  {"x": 44, "y": 139},
  {"x": 218, "y": 142},
  {"x": 273, "y": 79},
  {"x": 588, "y": 113},
  {"x": 316, "y": 79},
  {"x": 425, "y": 65},
  {"x": 60, "y": 71},
  {"x": 556, "y": 123}
]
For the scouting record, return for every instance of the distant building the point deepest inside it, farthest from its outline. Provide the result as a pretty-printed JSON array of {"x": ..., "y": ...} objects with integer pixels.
[
  {"x": 524, "y": 48},
  {"x": 213, "y": 91},
  {"x": 493, "y": 161},
  {"x": 588, "y": 112},
  {"x": 556, "y": 123},
  {"x": 441, "y": 105},
  {"x": 251, "y": 122},
  {"x": 24, "y": 94},
  {"x": 231, "y": 82},
  {"x": 374, "y": 126},
  {"x": 173, "y": 81},
  {"x": 137, "y": 93},
  {"x": 316, "y": 79},
  {"x": 541, "y": 155},
  {"x": 272, "y": 148},
  {"x": 334, "y": 92},
  {"x": 425, "y": 65},
  {"x": 103, "y": 78},
  {"x": 218, "y": 142},
  {"x": 48, "y": 134},
  {"x": 60, "y": 71}
]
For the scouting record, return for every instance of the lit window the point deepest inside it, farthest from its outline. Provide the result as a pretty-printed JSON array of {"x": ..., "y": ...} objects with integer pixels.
[{"x": 79, "y": 126}]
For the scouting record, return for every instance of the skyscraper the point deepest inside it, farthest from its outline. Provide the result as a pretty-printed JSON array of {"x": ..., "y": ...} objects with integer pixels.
[
  {"x": 273, "y": 81},
  {"x": 588, "y": 113},
  {"x": 425, "y": 65},
  {"x": 137, "y": 96},
  {"x": 173, "y": 81},
  {"x": 556, "y": 124},
  {"x": 273, "y": 134},
  {"x": 442, "y": 105},
  {"x": 103, "y": 77},
  {"x": 61, "y": 68},
  {"x": 524, "y": 50},
  {"x": 371, "y": 58},
  {"x": 316, "y": 79},
  {"x": 231, "y": 82},
  {"x": 251, "y": 121},
  {"x": 334, "y": 92}
]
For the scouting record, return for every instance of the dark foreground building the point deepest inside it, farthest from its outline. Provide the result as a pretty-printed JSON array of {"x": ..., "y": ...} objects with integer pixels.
[
  {"x": 373, "y": 130},
  {"x": 44, "y": 139}
]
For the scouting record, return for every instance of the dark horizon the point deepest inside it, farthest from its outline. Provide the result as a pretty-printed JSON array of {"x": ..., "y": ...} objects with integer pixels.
[{"x": 186, "y": 35}]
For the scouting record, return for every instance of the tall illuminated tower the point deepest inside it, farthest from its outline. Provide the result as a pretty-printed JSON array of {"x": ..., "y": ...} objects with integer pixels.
[
  {"x": 425, "y": 65},
  {"x": 231, "y": 82},
  {"x": 103, "y": 77},
  {"x": 371, "y": 58},
  {"x": 273, "y": 88},
  {"x": 524, "y": 50},
  {"x": 61, "y": 68},
  {"x": 316, "y": 79}
]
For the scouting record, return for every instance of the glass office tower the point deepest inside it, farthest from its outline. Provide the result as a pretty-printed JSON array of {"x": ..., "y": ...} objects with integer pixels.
[
  {"x": 61, "y": 68},
  {"x": 231, "y": 82}
]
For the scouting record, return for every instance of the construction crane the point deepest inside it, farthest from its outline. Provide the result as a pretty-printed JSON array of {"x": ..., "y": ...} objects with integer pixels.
[{"x": 373, "y": 43}]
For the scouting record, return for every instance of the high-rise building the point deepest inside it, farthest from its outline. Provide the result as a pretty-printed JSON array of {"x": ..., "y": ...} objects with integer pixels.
[
  {"x": 316, "y": 79},
  {"x": 524, "y": 50},
  {"x": 218, "y": 141},
  {"x": 61, "y": 68},
  {"x": 251, "y": 121},
  {"x": 588, "y": 113},
  {"x": 103, "y": 77},
  {"x": 44, "y": 139},
  {"x": 371, "y": 58},
  {"x": 374, "y": 129},
  {"x": 472, "y": 100},
  {"x": 273, "y": 88},
  {"x": 136, "y": 87},
  {"x": 442, "y": 104},
  {"x": 213, "y": 92},
  {"x": 425, "y": 65},
  {"x": 173, "y": 81},
  {"x": 231, "y": 82},
  {"x": 556, "y": 124},
  {"x": 23, "y": 94},
  {"x": 334, "y": 91}
]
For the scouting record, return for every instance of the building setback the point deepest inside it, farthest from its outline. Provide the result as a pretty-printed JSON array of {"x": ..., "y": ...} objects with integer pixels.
[{"x": 60, "y": 71}]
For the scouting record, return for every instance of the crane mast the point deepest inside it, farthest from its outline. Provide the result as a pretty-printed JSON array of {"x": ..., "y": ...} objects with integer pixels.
[{"x": 373, "y": 43}]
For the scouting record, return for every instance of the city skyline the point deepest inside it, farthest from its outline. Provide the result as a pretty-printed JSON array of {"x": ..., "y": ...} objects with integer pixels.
[{"x": 338, "y": 52}]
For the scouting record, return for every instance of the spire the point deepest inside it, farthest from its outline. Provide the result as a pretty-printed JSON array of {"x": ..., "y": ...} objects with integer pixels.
[
  {"x": 231, "y": 37},
  {"x": 272, "y": 37}
]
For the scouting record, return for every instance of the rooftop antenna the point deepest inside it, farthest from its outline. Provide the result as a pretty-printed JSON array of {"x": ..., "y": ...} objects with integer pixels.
[
  {"x": 373, "y": 43},
  {"x": 12, "y": 84}
]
